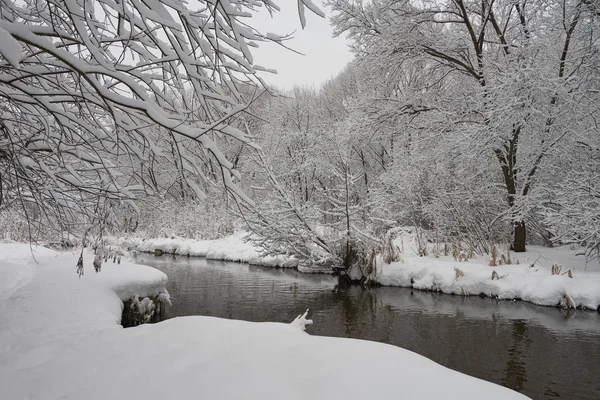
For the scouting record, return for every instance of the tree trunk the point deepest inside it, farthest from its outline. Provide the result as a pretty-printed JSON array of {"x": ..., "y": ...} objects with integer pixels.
[
  {"x": 520, "y": 238},
  {"x": 508, "y": 160}
]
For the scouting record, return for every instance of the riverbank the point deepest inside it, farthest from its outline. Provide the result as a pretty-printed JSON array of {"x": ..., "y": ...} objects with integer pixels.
[
  {"x": 454, "y": 331},
  {"x": 229, "y": 248},
  {"x": 528, "y": 277},
  {"x": 576, "y": 285},
  {"x": 61, "y": 339}
]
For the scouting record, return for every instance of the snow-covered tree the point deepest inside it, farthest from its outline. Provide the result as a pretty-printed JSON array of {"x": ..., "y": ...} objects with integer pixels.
[
  {"x": 511, "y": 79},
  {"x": 94, "y": 92},
  {"x": 572, "y": 211},
  {"x": 317, "y": 172}
]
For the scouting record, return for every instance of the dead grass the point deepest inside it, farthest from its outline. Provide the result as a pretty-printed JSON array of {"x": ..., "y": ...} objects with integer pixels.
[
  {"x": 493, "y": 261},
  {"x": 557, "y": 269},
  {"x": 461, "y": 254},
  {"x": 498, "y": 258}
]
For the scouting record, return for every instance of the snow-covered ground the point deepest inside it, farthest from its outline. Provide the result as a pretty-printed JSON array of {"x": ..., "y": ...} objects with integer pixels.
[
  {"x": 229, "y": 248},
  {"x": 60, "y": 339},
  {"x": 530, "y": 280}
]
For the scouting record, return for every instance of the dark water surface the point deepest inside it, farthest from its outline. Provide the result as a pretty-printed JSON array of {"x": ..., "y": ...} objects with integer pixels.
[{"x": 542, "y": 352}]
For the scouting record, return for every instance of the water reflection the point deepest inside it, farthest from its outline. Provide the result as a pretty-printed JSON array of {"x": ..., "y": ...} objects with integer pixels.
[
  {"x": 540, "y": 351},
  {"x": 516, "y": 374}
]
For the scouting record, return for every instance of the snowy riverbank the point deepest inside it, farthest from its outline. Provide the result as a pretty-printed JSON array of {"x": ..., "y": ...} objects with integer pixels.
[
  {"x": 530, "y": 280},
  {"x": 61, "y": 339},
  {"x": 229, "y": 248}
]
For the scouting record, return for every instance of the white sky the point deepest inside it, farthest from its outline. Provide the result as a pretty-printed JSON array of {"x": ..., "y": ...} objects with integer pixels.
[{"x": 324, "y": 56}]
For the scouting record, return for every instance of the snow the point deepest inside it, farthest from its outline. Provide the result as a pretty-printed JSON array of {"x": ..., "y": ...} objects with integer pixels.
[
  {"x": 530, "y": 280},
  {"x": 228, "y": 248},
  {"x": 15, "y": 272},
  {"x": 60, "y": 339},
  {"x": 10, "y": 48}
]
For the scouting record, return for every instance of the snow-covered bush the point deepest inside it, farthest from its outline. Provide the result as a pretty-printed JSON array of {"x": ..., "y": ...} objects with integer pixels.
[{"x": 572, "y": 208}]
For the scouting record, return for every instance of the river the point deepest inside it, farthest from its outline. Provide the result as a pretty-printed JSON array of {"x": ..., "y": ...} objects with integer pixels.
[{"x": 543, "y": 352}]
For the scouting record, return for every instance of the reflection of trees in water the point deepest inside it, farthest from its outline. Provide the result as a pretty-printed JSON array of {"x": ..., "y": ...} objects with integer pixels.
[
  {"x": 516, "y": 373},
  {"x": 356, "y": 312},
  {"x": 361, "y": 312}
]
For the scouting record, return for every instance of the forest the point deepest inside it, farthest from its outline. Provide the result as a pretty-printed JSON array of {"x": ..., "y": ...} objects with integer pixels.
[{"x": 476, "y": 123}]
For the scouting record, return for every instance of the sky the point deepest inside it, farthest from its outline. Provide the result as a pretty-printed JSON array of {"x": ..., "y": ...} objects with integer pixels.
[{"x": 324, "y": 56}]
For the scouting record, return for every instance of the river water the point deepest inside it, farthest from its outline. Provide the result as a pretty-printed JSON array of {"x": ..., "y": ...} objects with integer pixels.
[{"x": 543, "y": 352}]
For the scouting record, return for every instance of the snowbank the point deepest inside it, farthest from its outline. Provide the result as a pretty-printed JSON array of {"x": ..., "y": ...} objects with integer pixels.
[
  {"x": 531, "y": 280},
  {"x": 28, "y": 271},
  {"x": 60, "y": 340},
  {"x": 229, "y": 248}
]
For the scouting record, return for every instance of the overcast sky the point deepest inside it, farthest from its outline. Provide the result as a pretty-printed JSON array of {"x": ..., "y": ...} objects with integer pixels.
[{"x": 324, "y": 56}]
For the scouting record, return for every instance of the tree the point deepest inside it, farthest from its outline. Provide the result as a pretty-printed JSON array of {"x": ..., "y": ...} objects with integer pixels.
[
  {"x": 515, "y": 77},
  {"x": 87, "y": 84},
  {"x": 317, "y": 175},
  {"x": 573, "y": 211}
]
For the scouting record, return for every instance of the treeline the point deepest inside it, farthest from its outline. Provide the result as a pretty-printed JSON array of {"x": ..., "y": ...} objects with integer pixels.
[
  {"x": 476, "y": 122},
  {"x": 473, "y": 122}
]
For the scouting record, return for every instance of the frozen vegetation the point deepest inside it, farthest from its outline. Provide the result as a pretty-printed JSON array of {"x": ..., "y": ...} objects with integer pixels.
[{"x": 61, "y": 339}]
